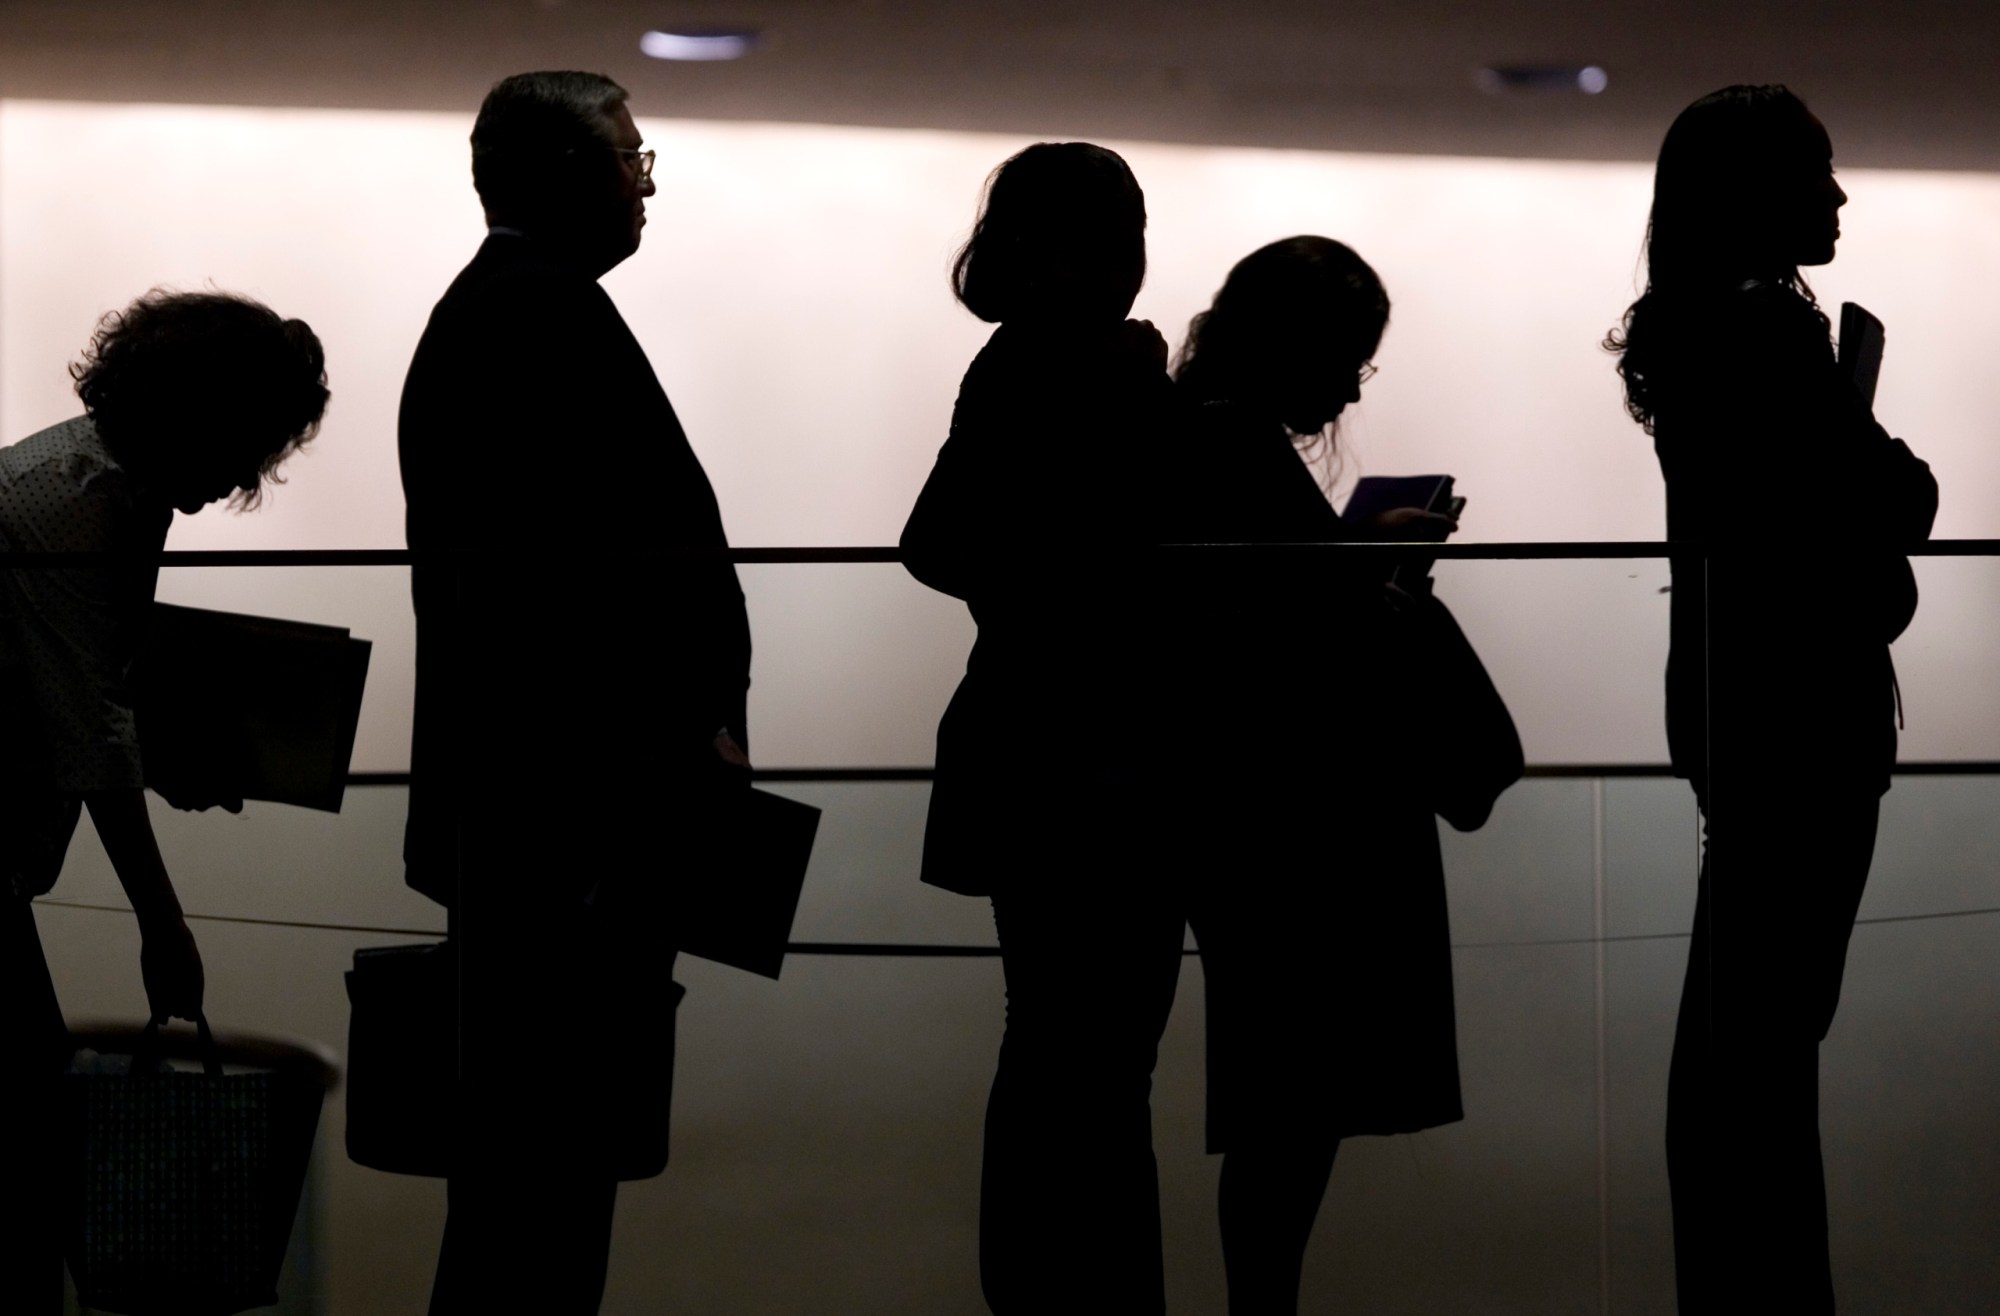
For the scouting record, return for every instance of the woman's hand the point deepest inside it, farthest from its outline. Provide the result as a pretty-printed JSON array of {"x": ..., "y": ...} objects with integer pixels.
[
  {"x": 170, "y": 965},
  {"x": 1432, "y": 526}
]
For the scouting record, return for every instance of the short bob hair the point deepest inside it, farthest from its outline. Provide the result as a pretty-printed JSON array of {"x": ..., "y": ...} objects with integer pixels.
[
  {"x": 1283, "y": 299},
  {"x": 191, "y": 376},
  {"x": 1062, "y": 230},
  {"x": 528, "y": 127}
]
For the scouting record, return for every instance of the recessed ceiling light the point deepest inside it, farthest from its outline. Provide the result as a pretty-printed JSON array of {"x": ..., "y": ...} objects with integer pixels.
[
  {"x": 703, "y": 45},
  {"x": 1498, "y": 79}
]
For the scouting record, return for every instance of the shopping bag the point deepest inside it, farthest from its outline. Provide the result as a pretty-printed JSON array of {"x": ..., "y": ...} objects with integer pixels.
[
  {"x": 406, "y": 1110},
  {"x": 183, "y": 1186},
  {"x": 402, "y": 1056}
]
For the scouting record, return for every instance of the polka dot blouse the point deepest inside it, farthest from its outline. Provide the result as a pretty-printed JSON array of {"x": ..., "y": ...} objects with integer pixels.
[{"x": 67, "y": 638}]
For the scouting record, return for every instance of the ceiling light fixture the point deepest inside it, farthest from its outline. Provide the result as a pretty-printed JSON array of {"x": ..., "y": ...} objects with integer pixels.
[
  {"x": 1499, "y": 79},
  {"x": 702, "y": 46}
]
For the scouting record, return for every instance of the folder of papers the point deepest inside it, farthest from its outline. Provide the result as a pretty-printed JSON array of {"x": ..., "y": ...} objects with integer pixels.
[
  {"x": 1861, "y": 338},
  {"x": 233, "y": 708},
  {"x": 742, "y": 917}
]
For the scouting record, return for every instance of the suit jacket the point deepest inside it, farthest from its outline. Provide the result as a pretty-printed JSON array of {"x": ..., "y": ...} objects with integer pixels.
[
  {"x": 575, "y": 653},
  {"x": 1779, "y": 660}
]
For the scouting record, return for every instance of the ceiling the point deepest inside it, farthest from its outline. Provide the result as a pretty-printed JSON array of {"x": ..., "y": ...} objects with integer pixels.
[{"x": 1907, "y": 83}]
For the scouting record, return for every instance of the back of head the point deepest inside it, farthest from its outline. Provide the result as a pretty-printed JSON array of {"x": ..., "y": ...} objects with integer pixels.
[
  {"x": 1061, "y": 234},
  {"x": 530, "y": 130},
  {"x": 1286, "y": 310},
  {"x": 198, "y": 386}
]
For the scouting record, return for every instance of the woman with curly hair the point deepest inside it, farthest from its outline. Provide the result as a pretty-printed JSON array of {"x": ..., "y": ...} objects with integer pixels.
[
  {"x": 188, "y": 398},
  {"x": 1781, "y": 702}
]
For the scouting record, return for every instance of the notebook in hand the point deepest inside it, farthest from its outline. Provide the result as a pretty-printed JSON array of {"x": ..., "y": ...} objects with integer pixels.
[
  {"x": 1376, "y": 494},
  {"x": 743, "y": 917},
  {"x": 1861, "y": 338},
  {"x": 233, "y": 708}
]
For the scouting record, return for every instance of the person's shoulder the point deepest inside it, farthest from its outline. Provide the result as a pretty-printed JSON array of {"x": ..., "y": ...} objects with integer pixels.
[
  {"x": 70, "y": 447},
  {"x": 1229, "y": 434},
  {"x": 64, "y": 482},
  {"x": 510, "y": 286},
  {"x": 994, "y": 370},
  {"x": 1767, "y": 307}
]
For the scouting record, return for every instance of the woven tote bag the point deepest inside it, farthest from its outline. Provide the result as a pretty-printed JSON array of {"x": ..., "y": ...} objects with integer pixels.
[{"x": 184, "y": 1185}]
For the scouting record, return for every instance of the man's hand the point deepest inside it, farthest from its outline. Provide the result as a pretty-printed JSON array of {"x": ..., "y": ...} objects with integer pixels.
[{"x": 170, "y": 965}]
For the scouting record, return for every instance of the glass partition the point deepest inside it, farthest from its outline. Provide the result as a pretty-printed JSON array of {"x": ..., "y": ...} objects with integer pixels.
[{"x": 826, "y": 1128}]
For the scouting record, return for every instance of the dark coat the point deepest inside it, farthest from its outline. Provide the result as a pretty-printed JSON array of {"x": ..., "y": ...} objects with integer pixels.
[
  {"x": 1779, "y": 659},
  {"x": 566, "y": 659},
  {"x": 1318, "y": 745},
  {"x": 572, "y": 671},
  {"x": 1039, "y": 515}
]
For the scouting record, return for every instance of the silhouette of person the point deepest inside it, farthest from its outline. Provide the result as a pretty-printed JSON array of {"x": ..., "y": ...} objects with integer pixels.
[
  {"x": 1781, "y": 701},
  {"x": 188, "y": 398},
  {"x": 583, "y": 658},
  {"x": 1309, "y": 776},
  {"x": 1036, "y": 515}
]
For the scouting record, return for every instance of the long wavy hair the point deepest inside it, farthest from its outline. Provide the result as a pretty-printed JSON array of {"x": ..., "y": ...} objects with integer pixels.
[
  {"x": 1730, "y": 171},
  {"x": 1269, "y": 325}
]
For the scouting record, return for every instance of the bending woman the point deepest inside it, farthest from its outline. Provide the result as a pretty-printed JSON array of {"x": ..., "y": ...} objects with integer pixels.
[
  {"x": 1781, "y": 702},
  {"x": 1035, "y": 516},
  {"x": 1333, "y": 720},
  {"x": 188, "y": 398}
]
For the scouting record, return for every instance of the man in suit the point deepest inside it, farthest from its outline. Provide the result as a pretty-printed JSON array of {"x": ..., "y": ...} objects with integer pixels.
[{"x": 582, "y": 660}]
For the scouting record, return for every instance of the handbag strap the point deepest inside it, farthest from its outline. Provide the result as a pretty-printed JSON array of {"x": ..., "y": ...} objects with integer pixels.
[{"x": 149, "y": 1045}]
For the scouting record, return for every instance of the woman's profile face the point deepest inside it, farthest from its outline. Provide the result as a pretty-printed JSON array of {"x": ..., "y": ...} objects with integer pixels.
[
  {"x": 1814, "y": 226},
  {"x": 1324, "y": 380},
  {"x": 1821, "y": 227},
  {"x": 209, "y": 469}
]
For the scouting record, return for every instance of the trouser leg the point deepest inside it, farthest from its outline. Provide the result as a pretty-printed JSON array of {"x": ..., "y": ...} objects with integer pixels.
[
  {"x": 525, "y": 1239},
  {"x": 1069, "y": 1201},
  {"x": 533, "y": 1187},
  {"x": 34, "y": 1194},
  {"x": 1269, "y": 1197},
  {"x": 1766, "y": 960}
]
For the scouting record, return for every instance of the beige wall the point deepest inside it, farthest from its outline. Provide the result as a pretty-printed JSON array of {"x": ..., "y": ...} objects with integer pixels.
[{"x": 791, "y": 295}]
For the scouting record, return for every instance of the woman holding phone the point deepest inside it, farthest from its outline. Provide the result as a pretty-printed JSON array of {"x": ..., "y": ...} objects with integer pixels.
[
  {"x": 1782, "y": 704},
  {"x": 1334, "y": 717}
]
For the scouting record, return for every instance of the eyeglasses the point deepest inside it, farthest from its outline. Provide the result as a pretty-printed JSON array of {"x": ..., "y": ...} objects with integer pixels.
[
  {"x": 1367, "y": 372},
  {"x": 641, "y": 161}
]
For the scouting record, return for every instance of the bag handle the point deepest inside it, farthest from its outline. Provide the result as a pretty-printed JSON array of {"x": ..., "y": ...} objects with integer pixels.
[{"x": 149, "y": 1046}]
